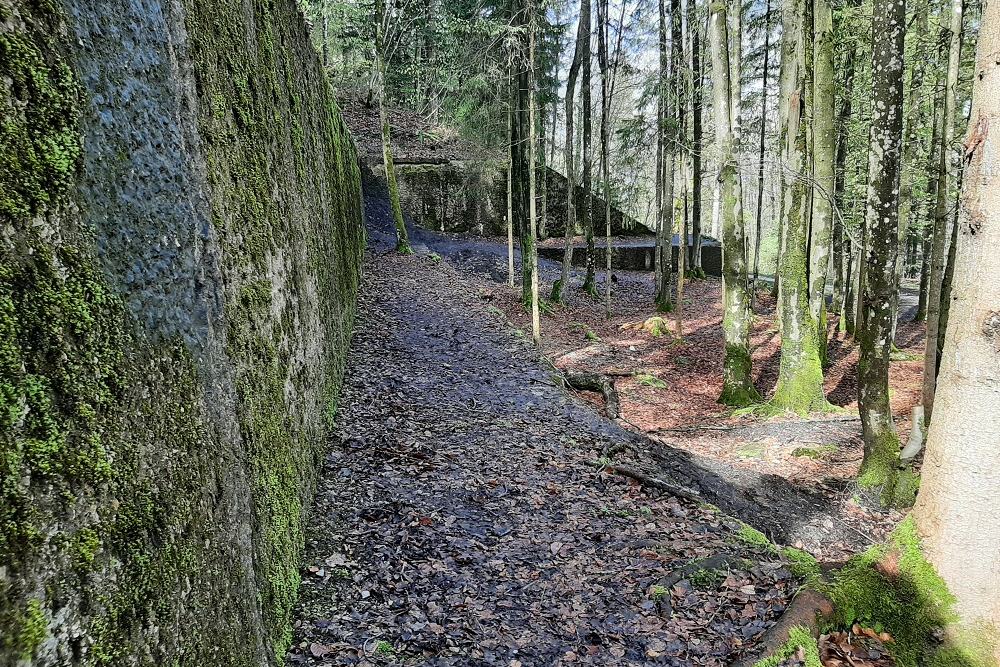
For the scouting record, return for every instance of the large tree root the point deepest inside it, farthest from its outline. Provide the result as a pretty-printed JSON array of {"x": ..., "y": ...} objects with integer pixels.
[
  {"x": 599, "y": 383},
  {"x": 809, "y": 610},
  {"x": 652, "y": 482}
]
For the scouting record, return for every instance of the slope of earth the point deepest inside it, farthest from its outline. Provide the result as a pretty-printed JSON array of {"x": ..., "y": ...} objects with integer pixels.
[
  {"x": 414, "y": 138},
  {"x": 460, "y": 520}
]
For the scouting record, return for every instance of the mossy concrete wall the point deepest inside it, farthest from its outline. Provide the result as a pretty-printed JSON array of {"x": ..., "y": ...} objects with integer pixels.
[
  {"x": 457, "y": 197},
  {"x": 180, "y": 242},
  {"x": 471, "y": 197}
]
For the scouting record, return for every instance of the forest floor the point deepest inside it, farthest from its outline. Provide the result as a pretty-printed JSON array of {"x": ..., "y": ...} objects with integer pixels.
[{"x": 469, "y": 511}]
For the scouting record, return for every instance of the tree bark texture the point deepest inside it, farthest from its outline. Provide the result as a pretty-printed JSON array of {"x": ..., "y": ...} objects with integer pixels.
[
  {"x": 737, "y": 383},
  {"x": 959, "y": 500},
  {"x": 881, "y": 443}
]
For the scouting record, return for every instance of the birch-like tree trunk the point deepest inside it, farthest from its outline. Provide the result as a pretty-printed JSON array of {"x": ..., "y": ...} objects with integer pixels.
[
  {"x": 959, "y": 496},
  {"x": 824, "y": 153},
  {"x": 946, "y": 172},
  {"x": 881, "y": 443},
  {"x": 697, "y": 104},
  {"x": 559, "y": 287},
  {"x": 381, "y": 28},
  {"x": 737, "y": 384},
  {"x": 529, "y": 254},
  {"x": 590, "y": 279},
  {"x": 800, "y": 376},
  {"x": 760, "y": 155}
]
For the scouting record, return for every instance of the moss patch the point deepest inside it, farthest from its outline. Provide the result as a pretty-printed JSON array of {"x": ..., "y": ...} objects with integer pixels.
[
  {"x": 799, "y": 638},
  {"x": 893, "y": 588},
  {"x": 818, "y": 452}
]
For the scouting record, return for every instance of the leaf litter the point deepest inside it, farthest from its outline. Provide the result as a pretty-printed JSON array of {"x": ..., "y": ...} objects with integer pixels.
[{"x": 459, "y": 520}]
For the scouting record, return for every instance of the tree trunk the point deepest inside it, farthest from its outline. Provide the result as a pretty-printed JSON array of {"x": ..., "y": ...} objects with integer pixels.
[
  {"x": 948, "y": 280},
  {"x": 933, "y": 176},
  {"x": 960, "y": 489},
  {"x": 521, "y": 152},
  {"x": 881, "y": 443},
  {"x": 946, "y": 170},
  {"x": 381, "y": 27},
  {"x": 914, "y": 121},
  {"x": 589, "y": 281},
  {"x": 842, "y": 274},
  {"x": 540, "y": 180},
  {"x": 824, "y": 154},
  {"x": 510, "y": 183},
  {"x": 529, "y": 251},
  {"x": 737, "y": 384},
  {"x": 668, "y": 86},
  {"x": 697, "y": 71},
  {"x": 760, "y": 153},
  {"x": 602, "y": 60},
  {"x": 559, "y": 288},
  {"x": 800, "y": 377}
]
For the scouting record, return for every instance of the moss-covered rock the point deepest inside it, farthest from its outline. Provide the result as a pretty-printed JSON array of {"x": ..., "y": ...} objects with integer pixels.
[{"x": 182, "y": 238}]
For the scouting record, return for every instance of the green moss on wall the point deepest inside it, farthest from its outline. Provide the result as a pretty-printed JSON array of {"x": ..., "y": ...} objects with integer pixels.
[{"x": 118, "y": 474}]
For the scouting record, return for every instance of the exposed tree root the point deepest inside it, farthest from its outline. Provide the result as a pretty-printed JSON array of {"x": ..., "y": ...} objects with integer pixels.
[
  {"x": 651, "y": 482},
  {"x": 809, "y": 610},
  {"x": 596, "y": 382}
]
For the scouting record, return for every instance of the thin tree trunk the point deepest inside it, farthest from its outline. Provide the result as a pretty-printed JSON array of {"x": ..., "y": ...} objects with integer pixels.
[
  {"x": 800, "y": 376},
  {"x": 669, "y": 82},
  {"x": 510, "y": 184},
  {"x": 946, "y": 170},
  {"x": 737, "y": 384},
  {"x": 760, "y": 154},
  {"x": 529, "y": 251},
  {"x": 842, "y": 274},
  {"x": 381, "y": 27},
  {"x": 914, "y": 121},
  {"x": 948, "y": 280},
  {"x": 881, "y": 443},
  {"x": 540, "y": 178},
  {"x": 521, "y": 151},
  {"x": 697, "y": 71},
  {"x": 960, "y": 485},
  {"x": 933, "y": 175},
  {"x": 658, "y": 178},
  {"x": 824, "y": 154},
  {"x": 559, "y": 288},
  {"x": 590, "y": 280},
  {"x": 602, "y": 59}
]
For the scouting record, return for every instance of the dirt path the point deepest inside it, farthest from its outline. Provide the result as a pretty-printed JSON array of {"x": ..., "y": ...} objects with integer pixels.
[{"x": 460, "y": 521}]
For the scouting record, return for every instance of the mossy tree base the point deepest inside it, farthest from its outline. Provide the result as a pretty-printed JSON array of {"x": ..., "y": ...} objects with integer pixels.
[{"x": 890, "y": 587}]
